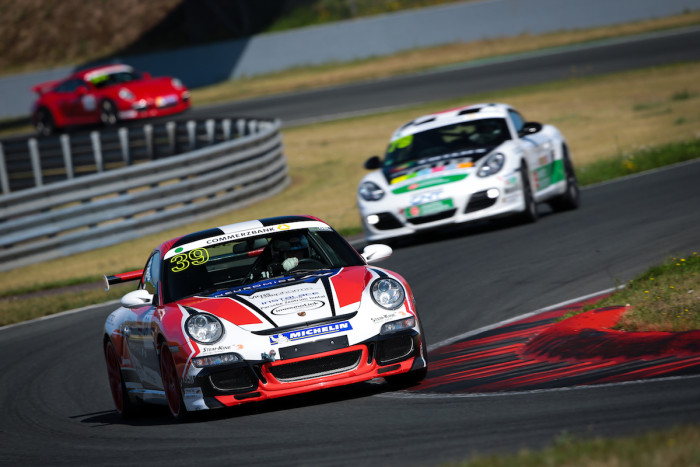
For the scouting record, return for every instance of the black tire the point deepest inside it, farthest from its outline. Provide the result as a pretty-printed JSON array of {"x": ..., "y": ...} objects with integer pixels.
[
  {"x": 530, "y": 214},
  {"x": 122, "y": 401},
  {"x": 171, "y": 384},
  {"x": 44, "y": 122},
  {"x": 108, "y": 113},
  {"x": 571, "y": 197}
]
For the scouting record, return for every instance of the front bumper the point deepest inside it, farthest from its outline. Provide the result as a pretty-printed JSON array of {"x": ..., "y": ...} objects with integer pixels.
[
  {"x": 250, "y": 381},
  {"x": 403, "y": 215}
]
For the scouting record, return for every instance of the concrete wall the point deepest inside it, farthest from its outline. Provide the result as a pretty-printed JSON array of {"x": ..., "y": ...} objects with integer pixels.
[{"x": 363, "y": 38}]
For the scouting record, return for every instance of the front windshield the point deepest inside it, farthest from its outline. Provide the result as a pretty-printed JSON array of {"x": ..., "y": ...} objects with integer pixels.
[
  {"x": 119, "y": 77},
  {"x": 227, "y": 265},
  {"x": 457, "y": 138}
]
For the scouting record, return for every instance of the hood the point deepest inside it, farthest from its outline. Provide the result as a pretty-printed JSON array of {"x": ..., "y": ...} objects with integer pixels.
[
  {"x": 153, "y": 87},
  {"x": 434, "y": 166},
  {"x": 287, "y": 301}
]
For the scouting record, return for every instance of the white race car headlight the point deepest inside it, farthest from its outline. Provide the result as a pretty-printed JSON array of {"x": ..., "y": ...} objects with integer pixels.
[
  {"x": 205, "y": 329},
  {"x": 399, "y": 325},
  {"x": 370, "y": 191},
  {"x": 215, "y": 360},
  {"x": 388, "y": 293},
  {"x": 493, "y": 164}
]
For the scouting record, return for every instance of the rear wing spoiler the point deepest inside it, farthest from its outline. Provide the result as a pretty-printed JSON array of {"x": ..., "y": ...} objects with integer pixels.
[
  {"x": 41, "y": 88},
  {"x": 123, "y": 277}
]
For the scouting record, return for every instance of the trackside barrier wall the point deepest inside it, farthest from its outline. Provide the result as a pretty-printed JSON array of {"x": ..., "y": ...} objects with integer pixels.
[{"x": 113, "y": 206}]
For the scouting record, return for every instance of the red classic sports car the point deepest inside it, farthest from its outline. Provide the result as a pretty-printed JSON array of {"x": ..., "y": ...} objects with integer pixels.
[
  {"x": 258, "y": 310},
  {"x": 106, "y": 94}
]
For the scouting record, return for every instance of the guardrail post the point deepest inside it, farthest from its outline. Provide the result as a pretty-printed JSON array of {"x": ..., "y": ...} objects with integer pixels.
[
  {"x": 211, "y": 134},
  {"x": 67, "y": 157},
  {"x": 226, "y": 128},
  {"x": 170, "y": 128},
  {"x": 253, "y": 127},
  {"x": 97, "y": 149},
  {"x": 191, "y": 133},
  {"x": 36, "y": 163},
  {"x": 148, "y": 134},
  {"x": 240, "y": 125},
  {"x": 4, "y": 180},
  {"x": 124, "y": 143}
]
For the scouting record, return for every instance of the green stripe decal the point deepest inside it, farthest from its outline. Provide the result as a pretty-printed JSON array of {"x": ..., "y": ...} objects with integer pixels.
[{"x": 431, "y": 182}]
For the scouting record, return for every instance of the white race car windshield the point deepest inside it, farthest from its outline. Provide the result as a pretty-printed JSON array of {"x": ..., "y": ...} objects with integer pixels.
[
  {"x": 460, "y": 139},
  {"x": 208, "y": 269}
]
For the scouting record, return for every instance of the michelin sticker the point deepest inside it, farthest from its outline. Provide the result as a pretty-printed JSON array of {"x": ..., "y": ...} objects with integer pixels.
[{"x": 307, "y": 333}]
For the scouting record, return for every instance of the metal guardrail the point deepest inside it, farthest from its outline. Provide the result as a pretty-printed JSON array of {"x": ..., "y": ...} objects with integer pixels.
[{"x": 81, "y": 213}]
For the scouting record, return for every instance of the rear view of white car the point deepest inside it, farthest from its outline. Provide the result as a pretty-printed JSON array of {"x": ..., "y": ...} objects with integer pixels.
[{"x": 465, "y": 164}]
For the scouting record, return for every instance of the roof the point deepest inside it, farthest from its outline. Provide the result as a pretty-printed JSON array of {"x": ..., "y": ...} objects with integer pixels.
[
  {"x": 240, "y": 229},
  {"x": 450, "y": 116}
]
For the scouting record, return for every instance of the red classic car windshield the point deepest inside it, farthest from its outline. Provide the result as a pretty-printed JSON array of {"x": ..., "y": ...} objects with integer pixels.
[{"x": 119, "y": 77}]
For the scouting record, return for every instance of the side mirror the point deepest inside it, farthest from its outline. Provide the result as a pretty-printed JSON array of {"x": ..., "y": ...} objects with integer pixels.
[
  {"x": 145, "y": 75},
  {"x": 530, "y": 128},
  {"x": 373, "y": 162},
  {"x": 376, "y": 252},
  {"x": 137, "y": 298}
]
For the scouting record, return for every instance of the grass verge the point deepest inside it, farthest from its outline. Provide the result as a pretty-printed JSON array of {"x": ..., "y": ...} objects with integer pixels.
[
  {"x": 677, "y": 446},
  {"x": 666, "y": 297}
]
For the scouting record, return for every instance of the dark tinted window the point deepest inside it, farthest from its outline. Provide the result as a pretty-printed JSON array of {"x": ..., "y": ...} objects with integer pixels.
[{"x": 484, "y": 133}]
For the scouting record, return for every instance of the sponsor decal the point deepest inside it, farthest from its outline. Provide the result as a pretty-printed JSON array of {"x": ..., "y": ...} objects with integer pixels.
[
  {"x": 383, "y": 318},
  {"x": 429, "y": 208},
  {"x": 431, "y": 182},
  {"x": 307, "y": 333},
  {"x": 216, "y": 349},
  {"x": 422, "y": 198},
  {"x": 283, "y": 227},
  {"x": 298, "y": 308}
]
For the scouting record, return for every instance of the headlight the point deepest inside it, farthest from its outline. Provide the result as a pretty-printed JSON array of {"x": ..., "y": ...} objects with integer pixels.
[
  {"x": 213, "y": 360},
  {"x": 388, "y": 293},
  {"x": 177, "y": 84},
  {"x": 492, "y": 165},
  {"x": 370, "y": 191},
  {"x": 126, "y": 94},
  {"x": 400, "y": 325},
  {"x": 205, "y": 329}
]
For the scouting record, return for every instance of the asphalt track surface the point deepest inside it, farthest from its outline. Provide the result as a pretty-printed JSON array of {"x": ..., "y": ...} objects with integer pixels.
[{"x": 56, "y": 406}]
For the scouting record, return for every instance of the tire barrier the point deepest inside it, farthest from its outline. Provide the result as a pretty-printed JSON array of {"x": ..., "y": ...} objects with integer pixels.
[{"x": 109, "y": 206}]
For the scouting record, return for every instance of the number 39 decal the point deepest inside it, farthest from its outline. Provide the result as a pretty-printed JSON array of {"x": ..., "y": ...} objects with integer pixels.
[{"x": 183, "y": 261}]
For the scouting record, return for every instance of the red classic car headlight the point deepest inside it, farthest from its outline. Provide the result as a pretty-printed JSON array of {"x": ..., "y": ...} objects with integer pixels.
[
  {"x": 177, "y": 84},
  {"x": 203, "y": 328},
  {"x": 125, "y": 94},
  {"x": 388, "y": 293}
]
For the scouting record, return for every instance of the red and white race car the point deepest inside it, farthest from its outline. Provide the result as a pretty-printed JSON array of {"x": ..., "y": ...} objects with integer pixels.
[
  {"x": 106, "y": 94},
  {"x": 259, "y": 310}
]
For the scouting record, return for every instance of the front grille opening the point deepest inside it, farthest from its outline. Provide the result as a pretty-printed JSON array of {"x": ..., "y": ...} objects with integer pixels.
[
  {"x": 432, "y": 218},
  {"x": 317, "y": 367},
  {"x": 479, "y": 201},
  {"x": 394, "y": 349},
  {"x": 387, "y": 221},
  {"x": 236, "y": 379}
]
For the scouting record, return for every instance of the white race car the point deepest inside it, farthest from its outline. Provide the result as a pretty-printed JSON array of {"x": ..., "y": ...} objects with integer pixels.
[
  {"x": 460, "y": 165},
  {"x": 258, "y": 310}
]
